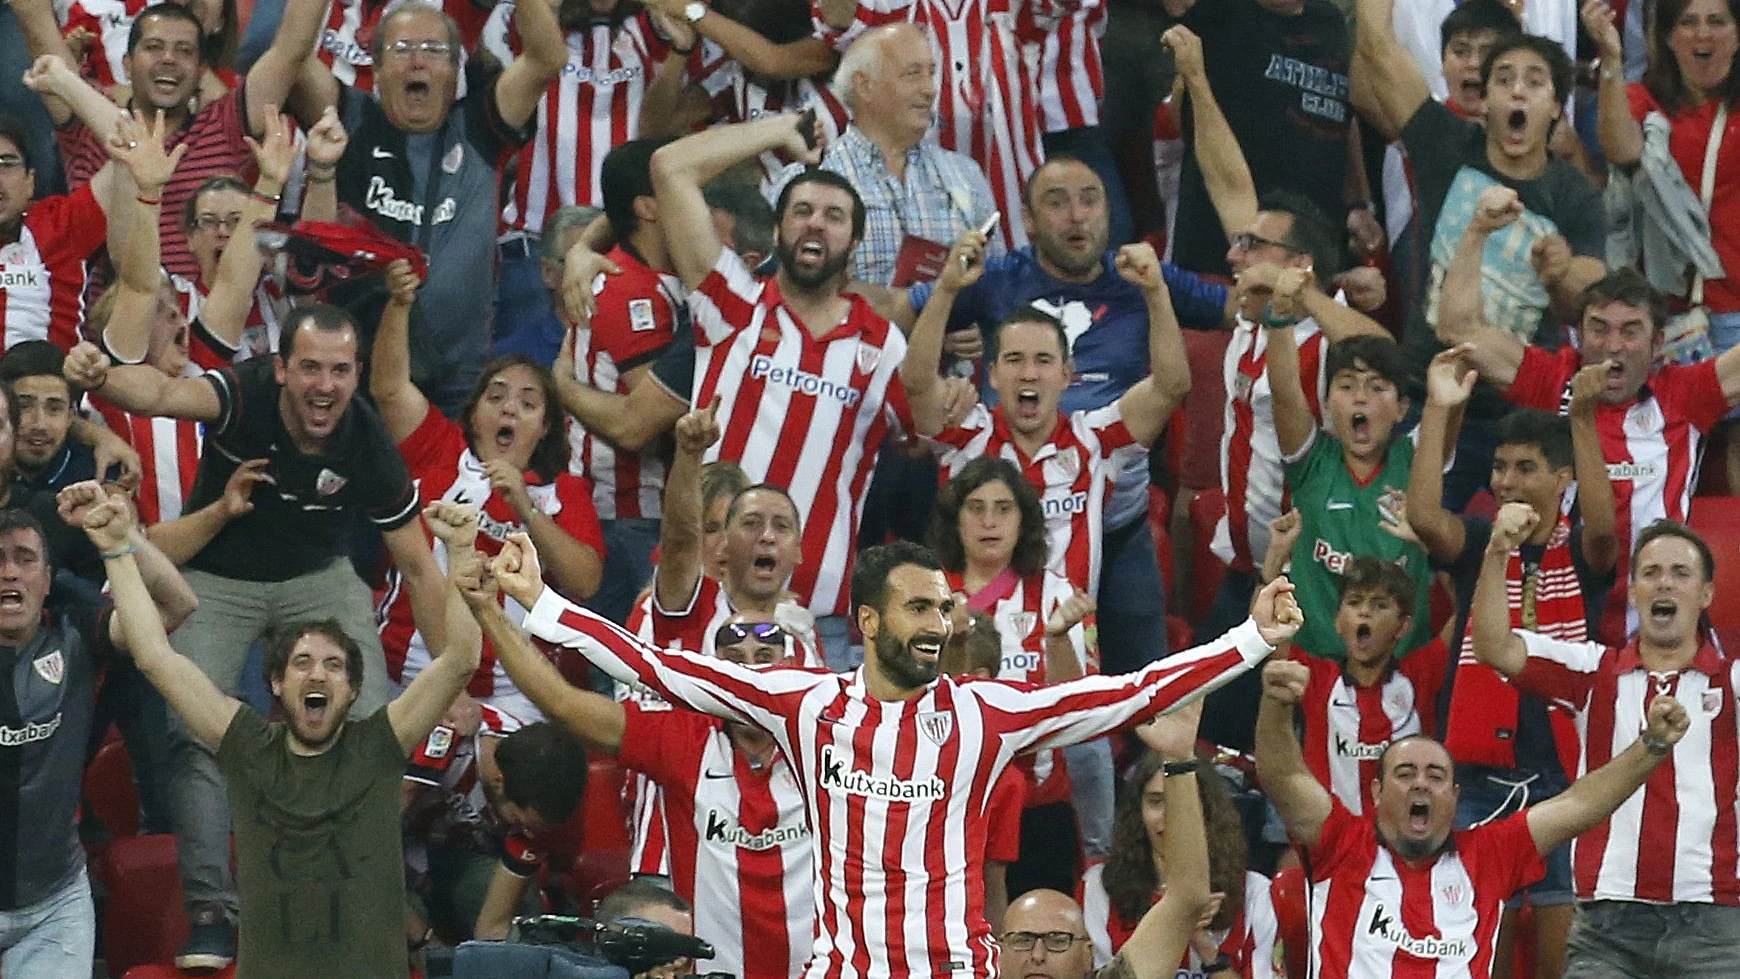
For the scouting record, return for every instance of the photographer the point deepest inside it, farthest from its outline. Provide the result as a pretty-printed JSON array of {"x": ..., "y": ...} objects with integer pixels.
[{"x": 640, "y": 902}]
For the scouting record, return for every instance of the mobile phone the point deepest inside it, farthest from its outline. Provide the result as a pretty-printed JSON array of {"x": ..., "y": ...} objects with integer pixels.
[{"x": 990, "y": 225}]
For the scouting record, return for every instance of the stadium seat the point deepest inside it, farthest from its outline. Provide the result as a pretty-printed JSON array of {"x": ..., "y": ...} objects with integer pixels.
[
  {"x": 143, "y": 918},
  {"x": 110, "y": 790},
  {"x": 1159, "y": 514},
  {"x": 1206, "y": 569},
  {"x": 594, "y": 874},
  {"x": 1288, "y": 894},
  {"x": 1717, "y": 520},
  {"x": 606, "y": 826}
]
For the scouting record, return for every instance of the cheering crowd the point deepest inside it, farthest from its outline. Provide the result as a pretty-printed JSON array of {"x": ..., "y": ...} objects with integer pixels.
[{"x": 409, "y": 403}]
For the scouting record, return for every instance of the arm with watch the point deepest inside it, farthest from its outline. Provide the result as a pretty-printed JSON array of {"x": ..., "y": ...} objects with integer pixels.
[
  {"x": 1592, "y": 798},
  {"x": 1295, "y": 425},
  {"x": 803, "y": 58}
]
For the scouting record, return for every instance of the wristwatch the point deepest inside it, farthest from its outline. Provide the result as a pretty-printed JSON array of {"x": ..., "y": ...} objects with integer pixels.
[{"x": 694, "y": 10}]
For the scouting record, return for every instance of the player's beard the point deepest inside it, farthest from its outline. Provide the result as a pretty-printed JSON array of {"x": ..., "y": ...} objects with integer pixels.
[
  {"x": 901, "y": 664},
  {"x": 827, "y": 272}
]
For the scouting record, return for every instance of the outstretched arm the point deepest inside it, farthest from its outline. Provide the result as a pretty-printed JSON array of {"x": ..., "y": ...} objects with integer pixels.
[
  {"x": 459, "y": 648},
  {"x": 1621, "y": 136},
  {"x": 402, "y": 404},
  {"x": 1294, "y": 422},
  {"x": 287, "y": 73},
  {"x": 628, "y": 421},
  {"x": 1489, "y": 611},
  {"x": 1302, "y": 801},
  {"x": 919, "y": 372},
  {"x": 680, "y": 170},
  {"x": 1387, "y": 86},
  {"x": 522, "y": 83},
  {"x": 171, "y": 595},
  {"x": 1224, "y": 171},
  {"x": 226, "y": 309},
  {"x": 139, "y": 389},
  {"x": 679, "y": 572},
  {"x": 1594, "y": 488},
  {"x": 144, "y": 168},
  {"x": 1449, "y": 382},
  {"x": 591, "y": 717},
  {"x": 1461, "y": 308},
  {"x": 1593, "y": 797},
  {"x": 206, "y": 709},
  {"x": 1149, "y": 403}
]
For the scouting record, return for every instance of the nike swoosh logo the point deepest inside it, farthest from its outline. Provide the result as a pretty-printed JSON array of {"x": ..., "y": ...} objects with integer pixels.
[
  {"x": 1341, "y": 703},
  {"x": 1338, "y": 506},
  {"x": 706, "y": 774},
  {"x": 381, "y": 154}
]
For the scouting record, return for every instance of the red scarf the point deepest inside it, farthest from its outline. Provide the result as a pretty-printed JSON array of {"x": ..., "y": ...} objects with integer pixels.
[{"x": 1482, "y": 725}]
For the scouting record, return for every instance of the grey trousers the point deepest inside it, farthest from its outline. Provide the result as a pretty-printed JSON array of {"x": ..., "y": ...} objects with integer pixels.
[
  {"x": 1634, "y": 940},
  {"x": 231, "y": 615}
]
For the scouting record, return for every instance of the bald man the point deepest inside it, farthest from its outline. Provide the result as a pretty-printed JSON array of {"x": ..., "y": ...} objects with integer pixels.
[{"x": 1041, "y": 920}]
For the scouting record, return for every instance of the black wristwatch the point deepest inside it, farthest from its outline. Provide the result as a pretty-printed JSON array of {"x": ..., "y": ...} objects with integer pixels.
[
  {"x": 1220, "y": 964},
  {"x": 1188, "y": 767}
]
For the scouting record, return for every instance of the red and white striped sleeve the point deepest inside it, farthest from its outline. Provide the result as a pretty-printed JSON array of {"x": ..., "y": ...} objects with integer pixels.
[
  {"x": 725, "y": 300},
  {"x": 1082, "y": 709},
  {"x": 1562, "y": 673},
  {"x": 707, "y": 684}
]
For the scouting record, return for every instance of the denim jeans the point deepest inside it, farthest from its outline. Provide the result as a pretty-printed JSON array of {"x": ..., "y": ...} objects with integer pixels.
[
  {"x": 1092, "y": 790},
  {"x": 53, "y": 937},
  {"x": 1132, "y": 600},
  {"x": 1634, "y": 940},
  {"x": 836, "y": 637},
  {"x": 628, "y": 567},
  {"x": 525, "y": 318}
]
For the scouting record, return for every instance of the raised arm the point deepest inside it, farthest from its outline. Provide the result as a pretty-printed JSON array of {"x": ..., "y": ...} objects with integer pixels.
[
  {"x": 1284, "y": 533},
  {"x": 1594, "y": 489},
  {"x": 428, "y": 590},
  {"x": 1149, "y": 403},
  {"x": 226, "y": 308},
  {"x": 1065, "y": 640},
  {"x": 1592, "y": 798},
  {"x": 1387, "y": 87},
  {"x": 1302, "y": 801},
  {"x": 171, "y": 596},
  {"x": 401, "y": 403},
  {"x": 144, "y": 168},
  {"x": 678, "y": 576},
  {"x": 1621, "y": 136},
  {"x": 206, "y": 709},
  {"x": 139, "y": 389},
  {"x": 1294, "y": 423},
  {"x": 415, "y": 712},
  {"x": 545, "y": 52},
  {"x": 681, "y": 169},
  {"x": 287, "y": 73},
  {"x": 803, "y": 58},
  {"x": 672, "y": 105},
  {"x": 591, "y": 717},
  {"x": 1225, "y": 173},
  {"x": 1489, "y": 611},
  {"x": 1339, "y": 320},
  {"x": 322, "y": 150},
  {"x": 1449, "y": 383},
  {"x": 920, "y": 371},
  {"x": 1461, "y": 306}
]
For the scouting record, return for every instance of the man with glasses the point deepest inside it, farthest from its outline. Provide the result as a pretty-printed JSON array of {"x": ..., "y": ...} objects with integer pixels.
[
  {"x": 421, "y": 165},
  {"x": 736, "y": 833}
]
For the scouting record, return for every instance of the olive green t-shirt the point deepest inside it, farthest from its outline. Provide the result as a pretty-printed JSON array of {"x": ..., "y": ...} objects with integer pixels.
[{"x": 319, "y": 867}]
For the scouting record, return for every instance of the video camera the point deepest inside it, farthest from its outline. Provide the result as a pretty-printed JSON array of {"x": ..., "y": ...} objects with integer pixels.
[{"x": 554, "y": 946}]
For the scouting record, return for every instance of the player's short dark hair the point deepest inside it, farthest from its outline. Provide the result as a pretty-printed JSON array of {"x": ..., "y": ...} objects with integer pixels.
[
  {"x": 169, "y": 11},
  {"x": 33, "y": 358},
  {"x": 284, "y": 639},
  {"x": 1549, "y": 433},
  {"x": 543, "y": 768},
  {"x": 1673, "y": 528},
  {"x": 1311, "y": 233},
  {"x": 1631, "y": 287},
  {"x": 1384, "y": 756},
  {"x": 636, "y": 896},
  {"x": 1559, "y": 66},
  {"x": 550, "y": 456},
  {"x": 875, "y": 564},
  {"x": 12, "y": 518},
  {"x": 13, "y": 130},
  {"x": 223, "y": 181},
  {"x": 1379, "y": 355},
  {"x": 1368, "y": 573},
  {"x": 944, "y": 536},
  {"x": 736, "y": 498},
  {"x": 1028, "y": 314},
  {"x": 1475, "y": 16},
  {"x": 320, "y": 316},
  {"x": 1051, "y": 160},
  {"x": 626, "y": 174},
  {"x": 751, "y": 217},
  {"x": 816, "y": 175}
]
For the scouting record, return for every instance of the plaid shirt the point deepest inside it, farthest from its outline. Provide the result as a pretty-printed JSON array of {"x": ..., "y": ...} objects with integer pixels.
[{"x": 944, "y": 194}]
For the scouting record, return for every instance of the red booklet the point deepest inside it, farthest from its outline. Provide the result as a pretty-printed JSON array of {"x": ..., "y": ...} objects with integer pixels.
[{"x": 920, "y": 260}]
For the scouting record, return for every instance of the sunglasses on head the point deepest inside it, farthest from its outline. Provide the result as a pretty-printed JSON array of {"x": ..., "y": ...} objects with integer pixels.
[{"x": 732, "y": 633}]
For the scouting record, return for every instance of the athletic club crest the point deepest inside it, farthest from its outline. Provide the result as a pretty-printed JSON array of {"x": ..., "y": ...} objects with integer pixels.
[
  {"x": 868, "y": 358},
  {"x": 937, "y": 725},
  {"x": 1712, "y": 702},
  {"x": 328, "y": 482},
  {"x": 1022, "y": 622},
  {"x": 1454, "y": 893},
  {"x": 51, "y": 667}
]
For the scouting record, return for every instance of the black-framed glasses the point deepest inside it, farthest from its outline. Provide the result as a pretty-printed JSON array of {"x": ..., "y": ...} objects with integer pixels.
[
  {"x": 1056, "y": 942},
  {"x": 1244, "y": 241},
  {"x": 403, "y": 48},
  {"x": 732, "y": 633}
]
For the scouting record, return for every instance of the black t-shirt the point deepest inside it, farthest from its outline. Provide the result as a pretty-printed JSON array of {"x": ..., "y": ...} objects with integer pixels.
[
  {"x": 47, "y": 694},
  {"x": 1534, "y": 747},
  {"x": 302, "y": 513},
  {"x": 1282, "y": 83}
]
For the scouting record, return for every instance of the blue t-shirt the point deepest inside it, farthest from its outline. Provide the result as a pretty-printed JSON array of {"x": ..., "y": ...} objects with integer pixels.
[{"x": 1107, "y": 324}]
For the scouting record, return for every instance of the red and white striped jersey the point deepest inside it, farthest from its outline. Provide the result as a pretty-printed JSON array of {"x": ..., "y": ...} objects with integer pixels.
[
  {"x": 1070, "y": 79},
  {"x": 1248, "y": 943},
  {"x": 692, "y": 627},
  {"x": 259, "y": 333},
  {"x": 347, "y": 36},
  {"x": 168, "y": 450},
  {"x": 448, "y": 760},
  {"x": 109, "y": 23},
  {"x": 803, "y": 413},
  {"x": 1675, "y": 840},
  {"x": 1251, "y": 473},
  {"x": 1375, "y": 915},
  {"x": 444, "y": 468},
  {"x": 43, "y": 273},
  {"x": 637, "y": 316},
  {"x": 898, "y": 792},
  {"x": 986, "y": 105},
  {"x": 1073, "y": 472},
  {"x": 1652, "y": 445},
  {"x": 1347, "y": 726},
  {"x": 593, "y": 106},
  {"x": 1021, "y": 616},
  {"x": 735, "y": 95},
  {"x": 740, "y": 848}
]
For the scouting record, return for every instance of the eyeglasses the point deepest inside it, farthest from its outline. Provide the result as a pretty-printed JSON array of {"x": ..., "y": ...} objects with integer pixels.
[
  {"x": 11, "y": 161},
  {"x": 1056, "y": 942},
  {"x": 1244, "y": 241},
  {"x": 403, "y": 48},
  {"x": 212, "y": 222},
  {"x": 732, "y": 633}
]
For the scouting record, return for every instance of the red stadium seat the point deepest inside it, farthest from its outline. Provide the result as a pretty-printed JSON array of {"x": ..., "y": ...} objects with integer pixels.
[
  {"x": 1206, "y": 569},
  {"x": 143, "y": 918},
  {"x": 1159, "y": 515},
  {"x": 1288, "y": 894},
  {"x": 595, "y": 873},
  {"x": 1717, "y": 520},
  {"x": 110, "y": 790},
  {"x": 606, "y": 826}
]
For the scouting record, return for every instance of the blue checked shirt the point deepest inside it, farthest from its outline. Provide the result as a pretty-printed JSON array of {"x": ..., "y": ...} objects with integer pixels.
[{"x": 943, "y": 195}]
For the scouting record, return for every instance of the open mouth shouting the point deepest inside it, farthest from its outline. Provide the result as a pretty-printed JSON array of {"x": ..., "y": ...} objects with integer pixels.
[
  {"x": 11, "y": 600},
  {"x": 1359, "y": 427},
  {"x": 1027, "y": 402},
  {"x": 1419, "y": 817},
  {"x": 314, "y": 704},
  {"x": 1663, "y": 611},
  {"x": 321, "y": 411},
  {"x": 167, "y": 84},
  {"x": 504, "y": 437}
]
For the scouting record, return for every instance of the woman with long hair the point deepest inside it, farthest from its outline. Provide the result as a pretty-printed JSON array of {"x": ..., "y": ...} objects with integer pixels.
[{"x": 1238, "y": 937}]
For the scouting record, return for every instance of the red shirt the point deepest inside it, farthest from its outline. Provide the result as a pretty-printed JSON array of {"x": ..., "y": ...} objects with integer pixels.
[
  {"x": 1348, "y": 726},
  {"x": 42, "y": 274}
]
